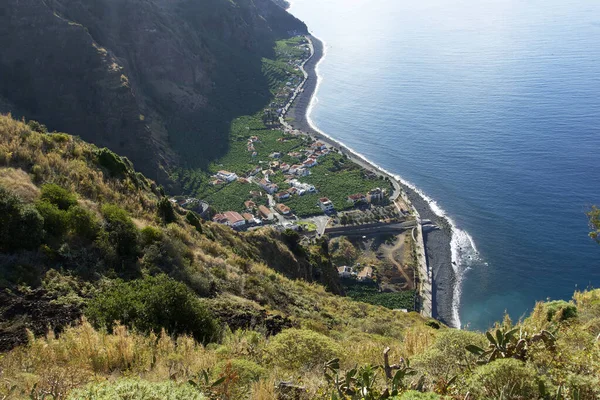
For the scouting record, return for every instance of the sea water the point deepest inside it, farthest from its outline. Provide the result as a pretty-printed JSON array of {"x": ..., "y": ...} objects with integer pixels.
[{"x": 492, "y": 109}]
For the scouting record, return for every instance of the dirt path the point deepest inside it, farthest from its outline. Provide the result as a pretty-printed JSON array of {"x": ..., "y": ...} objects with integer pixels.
[{"x": 390, "y": 254}]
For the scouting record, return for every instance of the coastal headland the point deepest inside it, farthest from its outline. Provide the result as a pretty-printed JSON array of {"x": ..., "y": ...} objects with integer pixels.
[{"x": 439, "y": 293}]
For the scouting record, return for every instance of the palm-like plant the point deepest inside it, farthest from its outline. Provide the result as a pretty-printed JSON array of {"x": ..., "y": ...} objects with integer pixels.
[{"x": 507, "y": 344}]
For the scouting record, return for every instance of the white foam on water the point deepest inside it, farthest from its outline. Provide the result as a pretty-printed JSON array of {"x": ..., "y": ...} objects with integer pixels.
[{"x": 463, "y": 249}]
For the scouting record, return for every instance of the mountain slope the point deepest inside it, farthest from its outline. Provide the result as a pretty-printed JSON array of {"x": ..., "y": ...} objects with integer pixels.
[{"x": 156, "y": 80}]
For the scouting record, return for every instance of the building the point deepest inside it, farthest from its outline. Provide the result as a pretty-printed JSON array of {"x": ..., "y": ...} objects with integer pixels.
[
  {"x": 275, "y": 155},
  {"x": 249, "y": 204},
  {"x": 345, "y": 272},
  {"x": 283, "y": 209},
  {"x": 220, "y": 219},
  {"x": 318, "y": 146},
  {"x": 310, "y": 162},
  {"x": 248, "y": 217},
  {"x": 226, "y": 176},
  {"x": 265, "y": 212},
  {"x": 357, "y": 198},
  {"x": 365, "y": 274},
  {"x": 302, "y": 172},
  {"x": 268, "y": 186},
  {"x": 375, "y": 195},
  {"x": 234, "y": 219},
  {"x": 325, "y": 204},
  {"x": 282, "y": 196}
]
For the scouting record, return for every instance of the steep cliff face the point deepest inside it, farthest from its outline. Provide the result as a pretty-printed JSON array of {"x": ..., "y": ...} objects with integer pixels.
[{"x": 156, "y": 80}]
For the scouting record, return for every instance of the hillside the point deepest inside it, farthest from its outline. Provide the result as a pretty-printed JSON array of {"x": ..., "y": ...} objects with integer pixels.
[
  {"x": 206, "y": 312},
  {"x": 158, "y": 81}
]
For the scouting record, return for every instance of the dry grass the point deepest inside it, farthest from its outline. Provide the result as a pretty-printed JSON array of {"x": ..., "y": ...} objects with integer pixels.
[
  {"x": 66, "y": 161},
  {"x": 19, "y": 182}
]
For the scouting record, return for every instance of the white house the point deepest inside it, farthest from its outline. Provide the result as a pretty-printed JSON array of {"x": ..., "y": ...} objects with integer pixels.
[
  {"x": 345, "y": 272},
  {"x": 325, "y": 204},
  {"x": 227, "y": 176}
]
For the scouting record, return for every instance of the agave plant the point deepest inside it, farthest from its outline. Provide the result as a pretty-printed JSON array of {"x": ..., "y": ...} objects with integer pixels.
[{"x": 506, "y": 344}]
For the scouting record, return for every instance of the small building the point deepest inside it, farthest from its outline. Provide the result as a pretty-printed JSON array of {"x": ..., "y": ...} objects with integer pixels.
[
  {"x": 234, "y": 219},
  {"x": 345, "y": 272},
  {"x": 220, "y": 219},
  {"x": 265, "y": 212},
  {"x": 375, "y": 195},
  {"x": 248, "y": 217},
  {"x": 365, "y": 274},
  {"x": 310, "y": 162},
  {"x": 325, "y": 204},
  {"x": 284, "y": 167},
  {"x": 249, "y": 204},
  {"x": 282, "y": 196},
  {"x": 357, "y": 198},
  {"x": 275, "y": 155},
  {"x": 227, "y": 176},
  {"x": 318, "y": 146},
  {"x": 302, "y": 172},
  {"x": 283, "y": 209},
  {"x": 268, "y": 186}
]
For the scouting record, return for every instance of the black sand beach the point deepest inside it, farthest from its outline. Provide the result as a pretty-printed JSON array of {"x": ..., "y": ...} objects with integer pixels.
[{"x": 437, "y": 243}]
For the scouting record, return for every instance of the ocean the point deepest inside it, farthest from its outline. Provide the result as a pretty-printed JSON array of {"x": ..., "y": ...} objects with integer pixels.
[{"x": 492, "y": 109}]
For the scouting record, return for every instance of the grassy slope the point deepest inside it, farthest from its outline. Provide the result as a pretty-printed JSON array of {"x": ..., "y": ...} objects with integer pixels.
[{"x": 239, "y": 270}]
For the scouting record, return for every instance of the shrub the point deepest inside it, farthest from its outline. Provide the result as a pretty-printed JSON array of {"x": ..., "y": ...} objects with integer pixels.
[
  {"x": 83, "y": 223},
  {"x": 151, "y": 304},
  {"x": 56, "y": 221},
  {"x": 114, "y": 164},
  {"x": 134, "y": 389},
  {"x": 561, "y": 309},
  {"x": 150, "y": 235},
  {"x": 505, "y": 378},
  {"x": 60, "y": 197},
  {"x": 193, "y": 220},
  {"x": 245, "y": 370},
  {"x": 165, "y": 211},
  {"x": 299, "y": 348},
  {"x": 122, "y": 233},
  {"x": 21, "y": 226}
]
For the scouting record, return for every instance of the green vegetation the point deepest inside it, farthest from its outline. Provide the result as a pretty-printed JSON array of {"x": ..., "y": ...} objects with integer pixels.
[
  {"x": 195, "y": 309},
  {"x": 132, "y": 389},
  {"x": 335, "y": 177},
  {"x": 151, "y": 304},
  {"x": 368, "y": 292}
]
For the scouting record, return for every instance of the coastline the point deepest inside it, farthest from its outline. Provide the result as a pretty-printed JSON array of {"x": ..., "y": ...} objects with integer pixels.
[{"x": 437, "y": 243}]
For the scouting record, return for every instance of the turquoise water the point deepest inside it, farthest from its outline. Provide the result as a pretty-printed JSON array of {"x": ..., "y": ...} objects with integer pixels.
[{"x": 491, "y": 108}]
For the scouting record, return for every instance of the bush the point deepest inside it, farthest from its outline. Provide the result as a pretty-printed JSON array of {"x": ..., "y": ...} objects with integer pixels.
[
  {"x": 83, "y": 223},
  {"x": 193, "y": 220},
  {"x": 506, "y": 379},
  {"x": 245, "y": 370},
  {"x": 56, "y": 221},
  {"x": 165, "y": 211},
  {"x": 150, "y": 235},
  {"x": 151, "y": 304},
  {"x": 134, "y": 389},
  {"x": 60, "y": 197},
  {"x": 299, "y": 348},
  {"x": 122, "y": 233},
  {"x": 21, "y": 226},
  {"x": 114, "y": 164},
  {"x": 561, "y": 309}
]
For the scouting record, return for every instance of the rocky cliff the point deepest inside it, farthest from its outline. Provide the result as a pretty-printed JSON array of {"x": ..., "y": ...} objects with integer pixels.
[{"x": 156, "y": 80}]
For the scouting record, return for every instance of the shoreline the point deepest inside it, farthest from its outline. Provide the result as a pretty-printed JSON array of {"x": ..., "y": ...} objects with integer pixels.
[{"x": 437, "y": 243}]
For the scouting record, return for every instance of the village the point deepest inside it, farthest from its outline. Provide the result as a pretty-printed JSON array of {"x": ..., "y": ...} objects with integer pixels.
[{"x": 277, "y": 176}]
